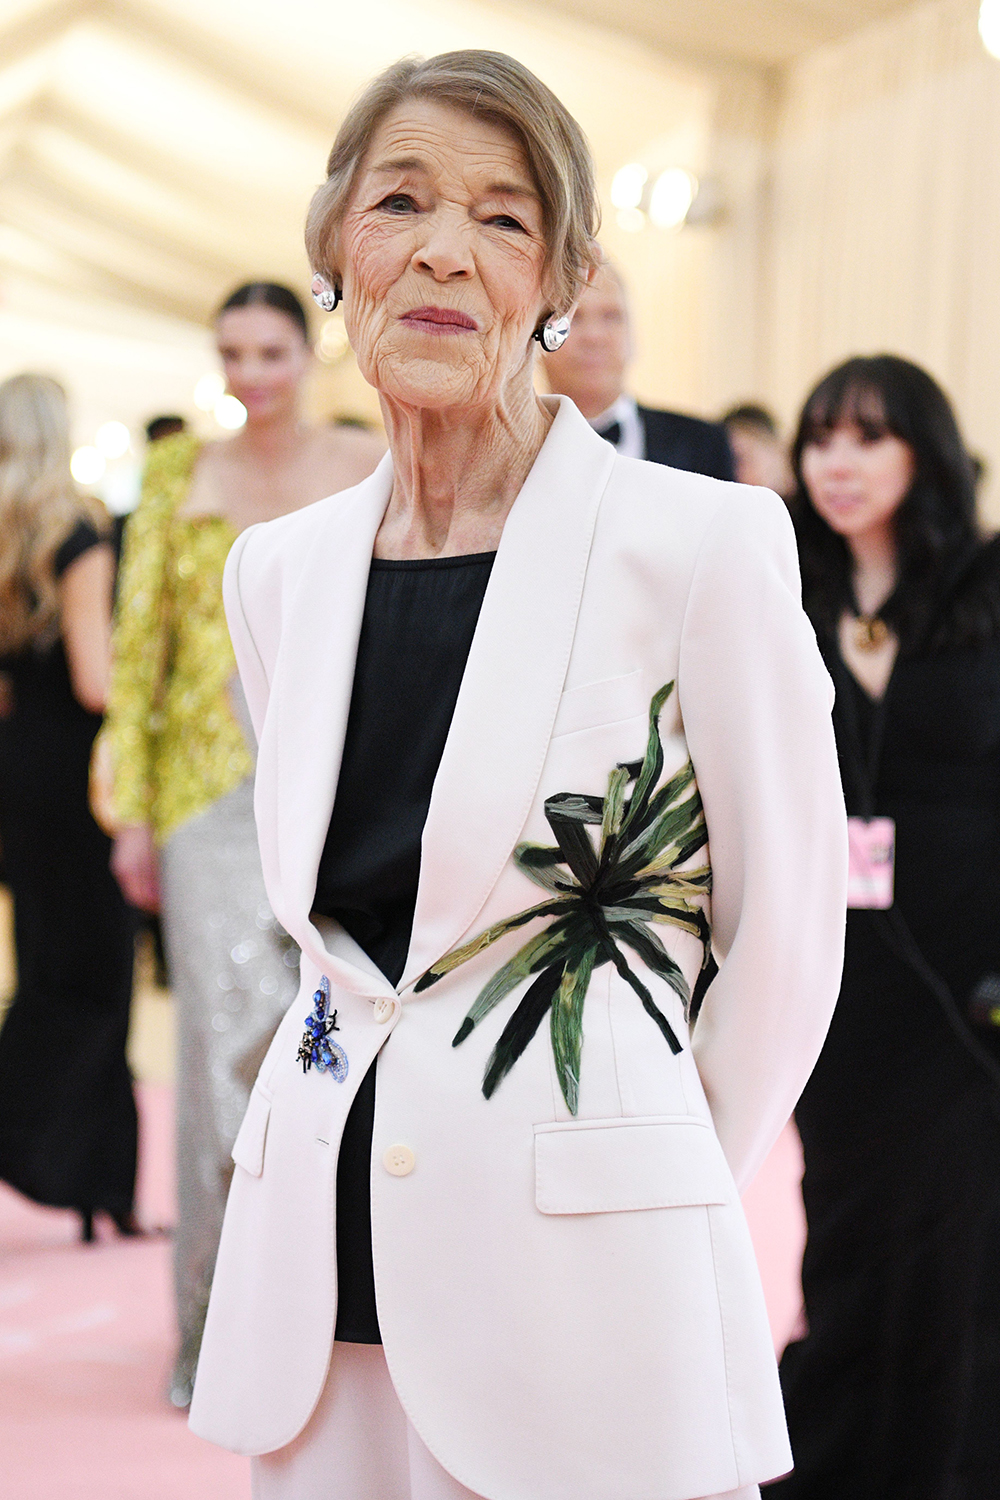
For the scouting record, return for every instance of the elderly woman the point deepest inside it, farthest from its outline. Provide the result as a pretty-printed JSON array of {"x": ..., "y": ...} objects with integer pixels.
[{"x": 506, "y": 690}]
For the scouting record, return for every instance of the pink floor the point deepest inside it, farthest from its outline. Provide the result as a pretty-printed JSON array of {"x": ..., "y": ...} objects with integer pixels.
[{"x": 85, "y": 1340}]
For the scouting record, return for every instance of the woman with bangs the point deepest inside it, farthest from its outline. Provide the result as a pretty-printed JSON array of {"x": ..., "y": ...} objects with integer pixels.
[{"x": 892, "y": 1391}]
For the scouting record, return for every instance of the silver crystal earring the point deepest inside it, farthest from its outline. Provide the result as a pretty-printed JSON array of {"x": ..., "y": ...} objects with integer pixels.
[
  {"x": 552, "y": 334},
  {"x": 324, "y": 295}
]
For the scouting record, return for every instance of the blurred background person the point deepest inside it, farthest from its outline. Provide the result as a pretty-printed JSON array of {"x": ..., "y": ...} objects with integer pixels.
[
  {"x": 166, "y": 426},
  {"x": 592, "y": 367},
  {"x": 759, "y": 454},
  {"x": 67, "y": 1112},
  {"x": 892, "y": 1392},
  {"x": 181, "y": 749}
]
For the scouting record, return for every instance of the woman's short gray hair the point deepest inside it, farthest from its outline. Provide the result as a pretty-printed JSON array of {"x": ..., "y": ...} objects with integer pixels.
[{"x": 494, "y": 87}]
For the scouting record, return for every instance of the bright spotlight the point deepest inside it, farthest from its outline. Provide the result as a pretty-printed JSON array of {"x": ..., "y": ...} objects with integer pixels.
[
  {"x": 112, "y": 439},
  {"x": 989, "y": 26},
  {"x": 208, "y": 390},
  {"x": 87, "y": 465},
  {"x": 229, "y": 412},
  {"x": 627, "y": 185},
  {"x": 672, "y": 196}
]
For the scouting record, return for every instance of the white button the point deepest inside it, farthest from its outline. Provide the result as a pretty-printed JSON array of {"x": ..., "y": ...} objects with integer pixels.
[
  {"x": 383, "y": 1009},
  {"x": 399, "y": 1160}
]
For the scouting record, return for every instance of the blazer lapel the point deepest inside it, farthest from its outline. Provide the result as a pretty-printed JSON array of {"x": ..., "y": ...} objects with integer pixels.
[
  {"x": 314, "y": 676},
  {"x": 510, "y": 692}
]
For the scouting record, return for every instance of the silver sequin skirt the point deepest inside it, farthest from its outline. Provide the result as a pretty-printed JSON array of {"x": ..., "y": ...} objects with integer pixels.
[{"x": 233, "y": 972}]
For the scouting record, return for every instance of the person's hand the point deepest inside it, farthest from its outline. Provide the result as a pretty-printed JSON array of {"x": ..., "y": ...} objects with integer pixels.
[{"x": 135, "y": 866}]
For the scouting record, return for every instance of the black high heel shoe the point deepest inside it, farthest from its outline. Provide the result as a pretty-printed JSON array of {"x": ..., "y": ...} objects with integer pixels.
[
  {"x": 127, "y": 1225},
  {"x": 86, "y": 1225}
]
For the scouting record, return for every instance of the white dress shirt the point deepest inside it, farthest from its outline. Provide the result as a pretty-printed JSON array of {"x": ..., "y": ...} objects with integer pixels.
[{"x": 632, "y": 443}]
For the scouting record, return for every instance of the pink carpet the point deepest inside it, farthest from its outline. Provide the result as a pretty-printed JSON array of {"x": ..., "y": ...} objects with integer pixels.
[{"x": 86, "y": 1339}]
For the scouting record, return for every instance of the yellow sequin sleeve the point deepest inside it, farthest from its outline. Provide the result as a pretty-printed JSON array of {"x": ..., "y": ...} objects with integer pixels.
[{"x": 142, "y": 645}]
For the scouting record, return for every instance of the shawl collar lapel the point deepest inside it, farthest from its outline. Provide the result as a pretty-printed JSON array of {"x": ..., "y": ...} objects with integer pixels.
[
  {"x": 314, "y": 675},
  {"x": 510, "y": 692}
]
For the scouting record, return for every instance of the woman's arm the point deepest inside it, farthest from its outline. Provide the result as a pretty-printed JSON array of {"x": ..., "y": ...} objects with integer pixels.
[
  {"x": 140, "y": 638},
  {"x": 140, "y": 648},
  {"x": 755, "y": 699},
  {"x": 135, "y": 866},
  {"x": 85, "y": 618}
]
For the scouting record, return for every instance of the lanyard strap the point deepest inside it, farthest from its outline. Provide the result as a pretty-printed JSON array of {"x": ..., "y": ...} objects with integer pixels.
[{"x": 863, "y": 760}]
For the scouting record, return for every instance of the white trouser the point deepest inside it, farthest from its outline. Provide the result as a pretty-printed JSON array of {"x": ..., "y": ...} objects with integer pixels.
[{"x": 359, "y": 1445}]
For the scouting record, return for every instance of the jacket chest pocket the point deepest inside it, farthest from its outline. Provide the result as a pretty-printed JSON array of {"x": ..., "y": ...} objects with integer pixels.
[
  {"x": 594, "y": 704},
  {"x": 621, "y": 1165},
  {"x": 248, "y": 1148}
]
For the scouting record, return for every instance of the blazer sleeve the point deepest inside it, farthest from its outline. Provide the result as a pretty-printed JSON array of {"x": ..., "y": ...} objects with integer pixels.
[
  {"x": 756, "y": 701},
  {"x": 238, "y": 588}
]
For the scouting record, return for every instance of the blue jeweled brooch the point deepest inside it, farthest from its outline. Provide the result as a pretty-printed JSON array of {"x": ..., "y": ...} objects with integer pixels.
[{"x": 316, "y": 1048}]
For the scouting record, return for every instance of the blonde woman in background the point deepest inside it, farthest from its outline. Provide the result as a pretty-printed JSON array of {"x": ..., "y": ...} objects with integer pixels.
[
  {"x": 67, "y": 1113},
  {"x": 182, "y": 751}
]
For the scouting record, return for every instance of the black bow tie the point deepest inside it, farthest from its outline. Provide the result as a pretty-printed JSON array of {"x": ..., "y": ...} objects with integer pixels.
[{"x": 613, "y": 433}]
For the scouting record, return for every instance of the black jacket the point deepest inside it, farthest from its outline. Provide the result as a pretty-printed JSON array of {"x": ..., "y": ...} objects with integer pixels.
[{"x": 687, "y": 443}]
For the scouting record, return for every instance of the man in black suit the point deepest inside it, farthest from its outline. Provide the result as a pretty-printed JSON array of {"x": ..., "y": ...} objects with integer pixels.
[{"x": 590, "y": 369}]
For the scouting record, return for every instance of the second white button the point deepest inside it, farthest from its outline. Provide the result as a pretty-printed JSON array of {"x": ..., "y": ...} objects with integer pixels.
[{"x": 399, "y": 1160}]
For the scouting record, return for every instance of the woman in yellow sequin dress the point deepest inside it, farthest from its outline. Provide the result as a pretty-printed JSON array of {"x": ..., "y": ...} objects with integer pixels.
[{"x": 182, "y": 756}]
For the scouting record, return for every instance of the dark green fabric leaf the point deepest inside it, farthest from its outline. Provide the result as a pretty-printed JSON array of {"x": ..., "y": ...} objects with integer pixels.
[
  {"x": 646, "y": 943},
  {"x": 649, "y": 1005},
  {"x": 575, "y": 843},
  {"x": 652, "y": 763},
  {"x": 574, "y": 807},
  {"x": 500, "y": 929},
  {"x": 521, "y": 1027},
  {"x": 567, "y": 1026}
]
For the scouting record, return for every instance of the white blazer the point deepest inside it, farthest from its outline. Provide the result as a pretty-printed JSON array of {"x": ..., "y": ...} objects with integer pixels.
[{"x": 570, "y": 1305}]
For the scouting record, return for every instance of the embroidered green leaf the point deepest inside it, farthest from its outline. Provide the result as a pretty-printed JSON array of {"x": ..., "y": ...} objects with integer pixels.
[
  {"x": 602, "y": 895},
  {"x": 567, "y": 1025}
]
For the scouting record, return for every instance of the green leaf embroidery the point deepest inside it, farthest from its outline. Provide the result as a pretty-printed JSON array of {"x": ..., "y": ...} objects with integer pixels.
[{"x": 600, "y": 897}]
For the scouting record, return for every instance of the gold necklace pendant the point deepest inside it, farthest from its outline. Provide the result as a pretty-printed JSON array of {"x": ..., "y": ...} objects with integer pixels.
[{"x": 870, "y": 632}]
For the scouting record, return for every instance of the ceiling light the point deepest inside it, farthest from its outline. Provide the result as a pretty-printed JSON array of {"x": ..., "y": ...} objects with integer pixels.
[
  {"x": 87, "y": 465},
  {"x": 229, "y": 412},
  {"x": 112, "y": 439},
  {"x": 208, "y": 390},
  {"x": 989, "y": 26},
  {"x": 627, "y": 185},
  {"x": 672, "y": 196}
]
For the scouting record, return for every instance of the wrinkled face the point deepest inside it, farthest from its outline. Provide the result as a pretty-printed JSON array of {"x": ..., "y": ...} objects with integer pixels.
[
  {"x": 857, "y": 476},
  {"x": 264, "y": 359},
  {"x": 442, "y": 254},
  {"x": 591, "y": 365}
]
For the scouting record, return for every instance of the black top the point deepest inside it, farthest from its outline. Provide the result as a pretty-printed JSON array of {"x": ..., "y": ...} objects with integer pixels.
[
  {"x": 418, "y": 624},
  {"x": 67, "y": 1116},
  {"x": 40, "y": 675},
  {"x": 684, "y": 442},
  {"x": 900, "y": 1121}
]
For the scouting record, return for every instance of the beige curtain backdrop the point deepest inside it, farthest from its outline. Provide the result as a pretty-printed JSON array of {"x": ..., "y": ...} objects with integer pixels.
[{"x": 882, "y": 214}]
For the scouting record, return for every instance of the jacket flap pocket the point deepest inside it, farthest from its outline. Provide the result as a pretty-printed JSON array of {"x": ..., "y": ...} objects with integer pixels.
[
  {"x": 248, "y": 1148},
  {"x": 596, "y": 703},
  {"x": 614, "y": 1166}
]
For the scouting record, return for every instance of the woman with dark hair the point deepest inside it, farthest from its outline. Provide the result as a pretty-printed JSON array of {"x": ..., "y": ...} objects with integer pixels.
[
  {"x": 181, "y": 749},
  {"x": 891, "y": 1394}
]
